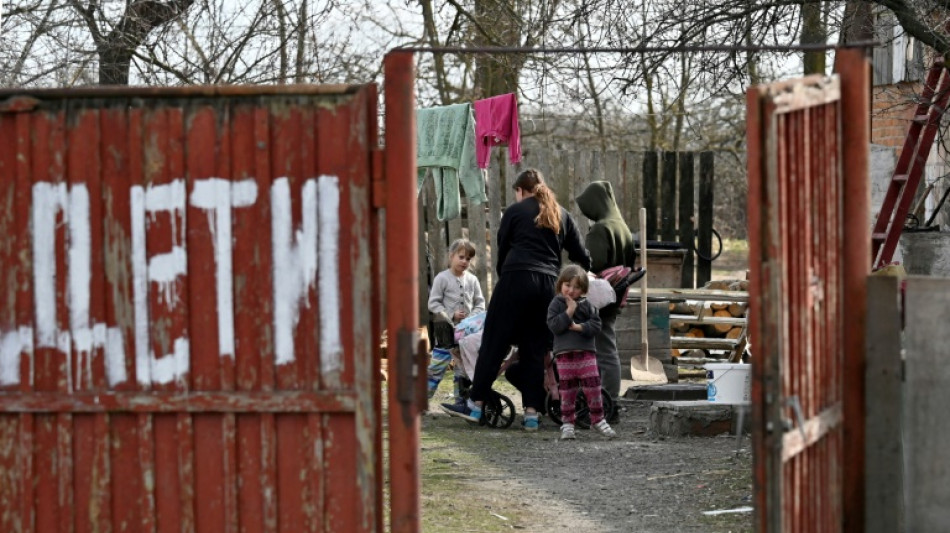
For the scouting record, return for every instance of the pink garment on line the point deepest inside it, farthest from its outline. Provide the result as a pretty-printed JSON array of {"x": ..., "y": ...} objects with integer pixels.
[{"x": 496, "y": 122}]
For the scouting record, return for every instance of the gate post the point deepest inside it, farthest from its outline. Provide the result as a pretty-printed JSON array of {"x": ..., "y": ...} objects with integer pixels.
[
  {"x": 854, "y": 70},
  {"x": 402, "y": 300}
]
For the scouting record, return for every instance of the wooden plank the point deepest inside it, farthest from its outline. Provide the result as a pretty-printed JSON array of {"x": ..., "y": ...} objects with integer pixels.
[
  {"x": 478, "y": 234},
  {"x": 423, "y": 274},
  {"x": 709, "y": 343},
  {"x": 797, "y": 440},
  {"x": 686, "y": 216},
  {"x": 668, "y": 197},
  {"x": 253, "y": 282},
  {"x": 557, "y": 176},
  {"x": 580, "y": 178},
  {"x": 632, "y": 175},
  {"x": 691, "y": 319},
  {"x": 700, "y": 295},
  {"x": 651, "y": 193},
  {"x": 883, "y": 449},
  {"x": 927, "y": 393},
  {"x": 612, "y": 175},
  {"x": 704, "y": 219},
  {"x": 496, "y": 202}
]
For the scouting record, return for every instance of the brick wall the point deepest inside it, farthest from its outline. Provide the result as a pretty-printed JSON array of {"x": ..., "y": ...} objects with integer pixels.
[{"x": 892, "y": 107}]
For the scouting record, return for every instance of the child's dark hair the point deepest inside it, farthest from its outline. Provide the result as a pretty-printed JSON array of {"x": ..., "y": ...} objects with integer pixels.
[
  {"x": 571, "y": 273},
  {"x": 462, "y": 244}
]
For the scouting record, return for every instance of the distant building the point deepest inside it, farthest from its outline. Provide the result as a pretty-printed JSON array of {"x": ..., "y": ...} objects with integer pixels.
[{"x": 899, "y": 70}]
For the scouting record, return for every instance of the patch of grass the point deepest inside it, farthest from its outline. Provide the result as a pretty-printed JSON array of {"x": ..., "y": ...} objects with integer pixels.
[{"x": 735, "y": 245}]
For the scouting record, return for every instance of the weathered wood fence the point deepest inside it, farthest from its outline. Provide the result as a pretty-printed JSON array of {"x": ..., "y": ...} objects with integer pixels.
[
  {"x": 908, "y": 389},
  {"x": 676, "y": 188}
]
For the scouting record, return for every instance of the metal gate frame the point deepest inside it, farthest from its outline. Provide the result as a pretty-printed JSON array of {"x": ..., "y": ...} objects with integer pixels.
[{"x": 809, "y": 251}]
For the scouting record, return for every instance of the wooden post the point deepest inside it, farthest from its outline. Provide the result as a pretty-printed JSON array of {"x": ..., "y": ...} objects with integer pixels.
[
  {"x": 686, "y": 216},
  {"x": 705, "y": 219},
  {"x": 668, "y": 197},
  {"x": 650, "y": 194},
  {"x": 855, "y": 73}
]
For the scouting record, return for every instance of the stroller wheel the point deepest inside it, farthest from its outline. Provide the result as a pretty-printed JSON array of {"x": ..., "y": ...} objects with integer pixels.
[
  {"x": 581, "y": 410},
  {"x": 498, "y": 411}
]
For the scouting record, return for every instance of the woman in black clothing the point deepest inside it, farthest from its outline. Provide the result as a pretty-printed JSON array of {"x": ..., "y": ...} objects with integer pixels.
[{"x": 532, "y": 235}]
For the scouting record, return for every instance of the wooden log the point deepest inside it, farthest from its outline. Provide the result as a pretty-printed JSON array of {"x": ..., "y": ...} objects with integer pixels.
[
  {"x": 734, "y": 333},
  {"x": 717, "y": 285},
  {"x": 722, "y": 328},
  {"x": 683, "y": 308},
  {"x": 739, "y": 285},
  {"x": 696, "y": 333},
  {"x": 718, "y": 306},
  {"x": 679, "y": 327},
  {"x": 737, "y": 309}
]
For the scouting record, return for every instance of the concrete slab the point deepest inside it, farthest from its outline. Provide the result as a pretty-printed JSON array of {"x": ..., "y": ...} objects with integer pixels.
[{"x": 695, "y": 419}]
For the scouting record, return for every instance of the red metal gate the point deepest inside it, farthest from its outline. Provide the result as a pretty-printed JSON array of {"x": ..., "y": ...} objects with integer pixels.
[
  {"x": 809, "y": 250},
  {"x": 186, "y": 332}
]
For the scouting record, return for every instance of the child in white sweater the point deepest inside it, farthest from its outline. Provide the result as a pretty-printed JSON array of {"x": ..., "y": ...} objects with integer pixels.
[{"x": 455, "y": 295}]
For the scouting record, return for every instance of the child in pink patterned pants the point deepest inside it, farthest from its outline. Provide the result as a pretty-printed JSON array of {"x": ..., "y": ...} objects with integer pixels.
[{"x": 575, "y": 323}]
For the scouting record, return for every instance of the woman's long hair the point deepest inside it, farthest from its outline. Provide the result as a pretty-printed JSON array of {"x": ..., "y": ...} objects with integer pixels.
[{"x": 532, "y": 182}]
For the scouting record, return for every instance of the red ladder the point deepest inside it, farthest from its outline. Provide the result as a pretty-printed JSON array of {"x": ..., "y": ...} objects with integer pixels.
[{"x": 910, "y": 165}]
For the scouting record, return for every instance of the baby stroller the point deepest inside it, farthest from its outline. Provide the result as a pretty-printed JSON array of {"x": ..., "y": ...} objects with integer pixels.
[
  {"x": 552, "y": 404},
  {"x": 498, "y": 410}
]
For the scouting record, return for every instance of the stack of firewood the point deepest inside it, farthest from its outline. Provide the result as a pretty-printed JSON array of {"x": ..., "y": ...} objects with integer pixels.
[{"x": 717, "y": 309}]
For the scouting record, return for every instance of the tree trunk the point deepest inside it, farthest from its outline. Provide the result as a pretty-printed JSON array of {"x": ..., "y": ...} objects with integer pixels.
[
  {"x": 118, "y": 46},
  {"x": 813, "y": 32}
]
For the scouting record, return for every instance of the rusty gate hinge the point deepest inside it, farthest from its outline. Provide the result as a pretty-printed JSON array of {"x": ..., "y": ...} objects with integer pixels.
[
  {"x": 378, "y": 176},
  {"x": 18, "y": 104}
]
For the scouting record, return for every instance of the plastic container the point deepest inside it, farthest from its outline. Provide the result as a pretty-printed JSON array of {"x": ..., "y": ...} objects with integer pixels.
[{"x": 728, "y": 383}]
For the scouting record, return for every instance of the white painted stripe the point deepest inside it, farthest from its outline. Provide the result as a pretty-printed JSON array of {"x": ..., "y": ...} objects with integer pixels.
[
  {"x": 173, "y": 366},
  {"x": 115, "y": 357},
  {"x": 165, "y": 269},
  {"x": 48, "y": 200},
  {"x": 80, "y": 267},
  {"x": 243, "y": 193},
  {"x": 295, "y": 262},
  {"x": 140, "y": 286},
  {"x": 218, "y": 196},
  {"x": 166, "y": 196},
  {"x": 331, "y": 345},
  {"x": 12, "y": 345}
]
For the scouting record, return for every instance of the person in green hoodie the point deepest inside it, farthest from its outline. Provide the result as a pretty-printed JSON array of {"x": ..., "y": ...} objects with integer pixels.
[{"x": 610, "y": 244}]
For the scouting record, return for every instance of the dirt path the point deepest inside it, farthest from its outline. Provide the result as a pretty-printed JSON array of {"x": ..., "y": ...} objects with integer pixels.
[{"x": 480, "y": 479}]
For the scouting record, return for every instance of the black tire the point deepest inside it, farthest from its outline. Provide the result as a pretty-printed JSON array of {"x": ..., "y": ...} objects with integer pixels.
[
  {"x": 498, "y": 411},
  {"x": 582, "y": 412}
]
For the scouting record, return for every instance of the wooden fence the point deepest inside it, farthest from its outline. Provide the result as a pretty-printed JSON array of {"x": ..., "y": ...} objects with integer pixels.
[{"x": 676, "y": 188}]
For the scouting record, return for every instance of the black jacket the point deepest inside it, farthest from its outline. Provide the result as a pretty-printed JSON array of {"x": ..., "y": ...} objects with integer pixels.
[{"x": 522, "y": 245}]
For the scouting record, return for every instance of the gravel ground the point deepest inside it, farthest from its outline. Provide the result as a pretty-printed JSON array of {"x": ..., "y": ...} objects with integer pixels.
[{"x": 481, "y": 479}]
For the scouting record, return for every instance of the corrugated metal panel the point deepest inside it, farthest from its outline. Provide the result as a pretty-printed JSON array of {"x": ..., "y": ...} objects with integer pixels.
[
  {"x": 802, "y": 166},
  {"x": 186, "y": 335}
]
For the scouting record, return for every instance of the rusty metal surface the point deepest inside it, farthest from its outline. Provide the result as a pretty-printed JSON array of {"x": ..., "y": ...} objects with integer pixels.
[
  {"x": 805, "y": 159},
  {"x": 402, "y": 299},
  {"x": 186, "y": 331}
]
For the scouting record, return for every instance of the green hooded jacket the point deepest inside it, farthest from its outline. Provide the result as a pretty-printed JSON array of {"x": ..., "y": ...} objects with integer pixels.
[{"x": 609, "y": 240}]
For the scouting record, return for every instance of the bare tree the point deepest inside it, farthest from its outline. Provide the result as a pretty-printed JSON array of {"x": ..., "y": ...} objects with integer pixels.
[{"x": 117, "y": 44}]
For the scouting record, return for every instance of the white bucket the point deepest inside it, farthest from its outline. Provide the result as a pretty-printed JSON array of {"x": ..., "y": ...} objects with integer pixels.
[{"x": 728, "y": 383}]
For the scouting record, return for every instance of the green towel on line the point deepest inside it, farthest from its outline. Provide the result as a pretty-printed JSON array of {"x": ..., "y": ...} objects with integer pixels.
[{"x": 445, "y": 144}]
